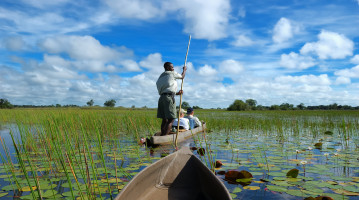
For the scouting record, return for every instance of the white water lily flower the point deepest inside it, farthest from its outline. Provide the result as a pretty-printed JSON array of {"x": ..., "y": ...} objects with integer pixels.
[
  {"x": 297, "y": 151},
  {"x": 310, "y": 148},
  {"x": 303, "y": 162},
  {"x": 338, "y": 150},
  {"x": 326, "y": 154},
  {"x": 336, "y": 154}
]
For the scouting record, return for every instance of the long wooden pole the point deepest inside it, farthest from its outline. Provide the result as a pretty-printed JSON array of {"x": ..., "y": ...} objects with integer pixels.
[{"x": 180, "y": 105}]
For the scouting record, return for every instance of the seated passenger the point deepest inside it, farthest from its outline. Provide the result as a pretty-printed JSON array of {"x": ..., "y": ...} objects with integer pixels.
[
  {"x": 184, "y": 122},
  {"x": 194, "y": 121}
]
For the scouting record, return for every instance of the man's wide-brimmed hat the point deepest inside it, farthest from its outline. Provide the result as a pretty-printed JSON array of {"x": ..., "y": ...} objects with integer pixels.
[{"x": 189, "y": 110}]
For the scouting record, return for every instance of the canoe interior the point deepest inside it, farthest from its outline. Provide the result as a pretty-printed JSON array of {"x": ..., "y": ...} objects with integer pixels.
[
  {"x": 182, "y": 135},
  {"x": 178, "y": 176}
]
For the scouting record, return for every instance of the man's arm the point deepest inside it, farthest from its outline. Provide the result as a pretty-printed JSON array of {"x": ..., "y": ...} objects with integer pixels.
[{"x": 184, "y": 72}]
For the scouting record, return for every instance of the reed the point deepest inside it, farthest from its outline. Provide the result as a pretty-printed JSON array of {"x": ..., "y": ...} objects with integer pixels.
[{"x": 90, "y": 148}]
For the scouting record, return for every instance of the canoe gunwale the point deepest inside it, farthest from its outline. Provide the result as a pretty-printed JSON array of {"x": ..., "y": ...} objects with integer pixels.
[
  {"x": 168, "y": 139},
  {"x": 136, "y": 188}
]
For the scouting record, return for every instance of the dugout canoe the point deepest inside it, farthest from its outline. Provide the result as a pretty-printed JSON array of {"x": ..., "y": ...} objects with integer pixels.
[
  {"x": 178, "y": 176},
  {"x": 170, "y": 139}
]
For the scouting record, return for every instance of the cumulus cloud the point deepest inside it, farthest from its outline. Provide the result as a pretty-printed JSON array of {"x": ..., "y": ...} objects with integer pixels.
[
  {"x": 352, "y": 72},
  {"x": 283, "y": 30},
  {"x": 78, "y": 47},
  {"x": 242, "y": 41},
  {"x": 89, "y": 54},
  {"x": 152, "y": 61},
  {"x": 296, "y": 61},
  {"x": 341, "y": 80},
  {"x": 330, "y": 45},
  {"x": 207, "y": 71},
  {"x": 355, "y": 59},
  {"x": 204, "y": 19},
  {"x": 230, "y": 67}
]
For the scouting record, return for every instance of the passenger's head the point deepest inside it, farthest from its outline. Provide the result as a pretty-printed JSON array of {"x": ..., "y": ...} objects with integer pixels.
[
  {"x": 190, "y": 111},
  {"x": 168, "y": 66},
  {"x": 182, "y": 112}
]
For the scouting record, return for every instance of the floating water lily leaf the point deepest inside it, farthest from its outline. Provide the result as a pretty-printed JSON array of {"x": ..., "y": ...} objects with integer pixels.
[
  {"x": 256, "y": 173},
  {"x": 344, "y": 192},
  {"x": 340, "y": 178},
  {"x": 277, "y": 188},
  {"x": 244, "y": 180},
  {"x": 49, "y": 193},
  {"x": 251, "y": 187},
  {"x": 3, "y": 194},
  {"x": 276, "y": 174},
  {"x": 293, "y": 173},
  {"x": 237, "y": 190},
  {"x": 335, "y": 196},
  {"x": 9, "y": 188},
  {"x": 297, "y": 193},
  {"x": 28, "y": 189},
  {"x": 281, "y": 183},
  {"x": 351, "y": 188},
  {"x": 69, "y": 194},
  {"x": 233, "y": 195}
]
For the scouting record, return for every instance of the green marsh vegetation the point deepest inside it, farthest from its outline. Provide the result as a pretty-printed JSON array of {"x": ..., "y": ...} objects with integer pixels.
[{"x": 74, "y": 153}]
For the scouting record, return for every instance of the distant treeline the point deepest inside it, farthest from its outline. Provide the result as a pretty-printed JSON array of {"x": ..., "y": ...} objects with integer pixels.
[
  {"x": 237, "y": 105},
  {"x": 251, "y": 104}
]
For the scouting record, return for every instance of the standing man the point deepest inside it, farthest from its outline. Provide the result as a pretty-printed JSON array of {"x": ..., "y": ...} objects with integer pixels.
[{"x": 167, "y": 87}]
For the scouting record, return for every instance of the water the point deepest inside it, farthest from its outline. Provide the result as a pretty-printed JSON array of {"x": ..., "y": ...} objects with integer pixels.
[{"x": 331, "y": 169}]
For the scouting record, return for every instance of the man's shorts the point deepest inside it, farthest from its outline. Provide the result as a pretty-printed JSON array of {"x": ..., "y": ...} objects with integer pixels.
[{"x": 166, "y": 107}]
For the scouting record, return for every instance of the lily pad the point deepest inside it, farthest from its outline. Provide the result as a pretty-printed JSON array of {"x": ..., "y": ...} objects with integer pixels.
[
  {"x": 277, "y": 188},
  {"x": 293, "y": 173}
]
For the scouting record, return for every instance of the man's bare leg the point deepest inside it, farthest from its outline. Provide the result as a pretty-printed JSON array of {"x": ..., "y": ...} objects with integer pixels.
[
  {"x": 166, "y": 126},
  {"x": 163, "y": 125}
]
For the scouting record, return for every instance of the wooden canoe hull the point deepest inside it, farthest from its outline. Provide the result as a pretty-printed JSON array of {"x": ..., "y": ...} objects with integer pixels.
[
  {"x": 178, "y": 176},
  {"x": 168, "y": 139}
]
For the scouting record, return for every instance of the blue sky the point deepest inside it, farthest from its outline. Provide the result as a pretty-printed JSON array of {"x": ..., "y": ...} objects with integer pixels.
[{"x": 69, "y": 52}]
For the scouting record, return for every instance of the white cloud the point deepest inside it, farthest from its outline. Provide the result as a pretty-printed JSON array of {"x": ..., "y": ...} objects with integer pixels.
[
  {"x": 204, "y": 19},
  {"x": 152, "y": 61},
  {"x": 135, "y": 9},
  {"x": 242, "y": 41},
  {"x": 296, "y": 61},
  {"x": 341, "y": 80},
  {"x": 283, "y": 30},
  {"x": 130, "y": 65},
  {"x": 355, "y": 59},
  {"x": 89, "y": 54},
  {"x": 230, "y": 67},
  {"x": 79, "y": 47},
  {"x": 14, "y": 43},
  {"x": 352, "y": 73},
  {"x": 321, "y": 80},
  {"x": 330, "y": 45},
  {"x": 207, "y": 71}
]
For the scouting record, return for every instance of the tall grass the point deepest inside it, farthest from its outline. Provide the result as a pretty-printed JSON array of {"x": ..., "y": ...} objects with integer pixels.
[{"x": 81, "y": 146}]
